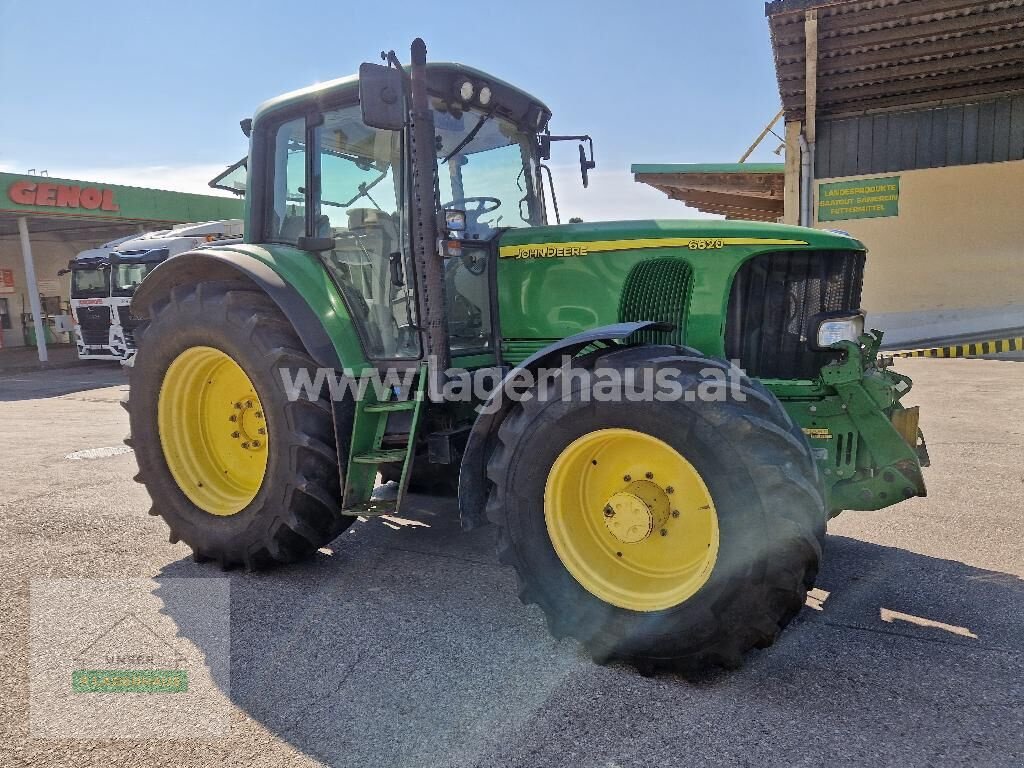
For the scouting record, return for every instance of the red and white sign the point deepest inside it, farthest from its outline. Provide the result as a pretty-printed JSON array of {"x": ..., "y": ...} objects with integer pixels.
[
  {"x": 6, "y": 281},
  {"x": 51, "y": 195}
]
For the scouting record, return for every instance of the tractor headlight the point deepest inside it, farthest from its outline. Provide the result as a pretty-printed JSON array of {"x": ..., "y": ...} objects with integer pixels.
[
  {"x": 485, "y": 96},
  {"x": 832, "y": 328},
  {"x": 466, "y": 90}
]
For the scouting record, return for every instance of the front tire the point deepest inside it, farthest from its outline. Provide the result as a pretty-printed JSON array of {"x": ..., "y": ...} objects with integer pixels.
[
  {"x": 675, "y": 534},
  {"x": 239, "y": 472}
]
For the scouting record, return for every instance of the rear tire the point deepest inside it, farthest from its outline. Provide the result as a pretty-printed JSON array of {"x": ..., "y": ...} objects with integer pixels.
[
  {"x": 765, "y": 492},
  {"x": 296, "y": 508}
]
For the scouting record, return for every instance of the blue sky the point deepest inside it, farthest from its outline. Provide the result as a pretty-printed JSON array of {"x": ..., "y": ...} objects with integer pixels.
[{"x": 151, "y": 93}]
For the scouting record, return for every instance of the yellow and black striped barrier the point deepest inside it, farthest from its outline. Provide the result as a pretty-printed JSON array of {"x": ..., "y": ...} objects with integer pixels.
[{"x": 993, "y": 347}]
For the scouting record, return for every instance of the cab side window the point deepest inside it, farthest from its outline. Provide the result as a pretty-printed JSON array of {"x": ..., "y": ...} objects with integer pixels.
[
  {"x": 287, "y": 220},
  {"x": 359, "y": 178}
]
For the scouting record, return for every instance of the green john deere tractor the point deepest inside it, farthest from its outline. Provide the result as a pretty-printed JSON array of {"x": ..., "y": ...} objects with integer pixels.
[{"x": 570, "y": 382}]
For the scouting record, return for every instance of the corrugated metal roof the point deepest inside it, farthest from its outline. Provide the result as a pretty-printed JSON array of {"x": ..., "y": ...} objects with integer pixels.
[{"x": 883, "y": 54}]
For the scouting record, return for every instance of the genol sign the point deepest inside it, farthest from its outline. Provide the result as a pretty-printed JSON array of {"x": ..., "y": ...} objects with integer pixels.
[{"x": 63, "y": 196}]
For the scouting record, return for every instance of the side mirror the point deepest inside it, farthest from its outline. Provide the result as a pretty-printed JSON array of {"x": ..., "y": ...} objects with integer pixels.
[
  {"x": 545, "y": 146},
  {"x": 586, "y": 166},
  {"x": 381, "y": 97}
]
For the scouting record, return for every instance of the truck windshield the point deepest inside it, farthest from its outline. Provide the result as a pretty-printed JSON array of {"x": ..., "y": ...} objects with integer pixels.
[
  {"x": 487, "y": 166},
  {"x": 128, "y": 276},
  {"x": 89, "y": 283}
]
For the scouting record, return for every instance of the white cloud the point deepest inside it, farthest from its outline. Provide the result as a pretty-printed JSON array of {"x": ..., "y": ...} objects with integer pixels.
[
  {"x": 177, "y": 178},
  {"x": 614, "y": 196}
]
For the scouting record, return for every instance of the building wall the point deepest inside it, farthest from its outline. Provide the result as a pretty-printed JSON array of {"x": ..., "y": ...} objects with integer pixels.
[
  {"x": 990, "y": 131},
  {"x": 952, "y": 261}
]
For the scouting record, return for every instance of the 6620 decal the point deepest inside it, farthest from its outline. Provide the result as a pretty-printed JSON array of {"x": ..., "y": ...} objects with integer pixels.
[{"x": 706, "y": 244}]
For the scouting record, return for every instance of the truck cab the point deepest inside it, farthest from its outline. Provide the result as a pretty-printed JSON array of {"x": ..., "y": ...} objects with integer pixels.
[{"x": 91, "y": 302}]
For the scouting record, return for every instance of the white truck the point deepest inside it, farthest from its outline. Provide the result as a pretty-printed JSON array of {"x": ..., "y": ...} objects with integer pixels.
[
  {"x": 134, "y": 259},
  {"x": 90, "y": 301},
  {"x": 104, "y": 280}
]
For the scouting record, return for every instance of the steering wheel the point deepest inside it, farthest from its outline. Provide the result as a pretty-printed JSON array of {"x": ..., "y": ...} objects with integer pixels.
[{"x": 481, "y": 205}]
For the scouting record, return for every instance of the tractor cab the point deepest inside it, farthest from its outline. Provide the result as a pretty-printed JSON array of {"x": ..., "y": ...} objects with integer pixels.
[{"x": 342, "y": 182}]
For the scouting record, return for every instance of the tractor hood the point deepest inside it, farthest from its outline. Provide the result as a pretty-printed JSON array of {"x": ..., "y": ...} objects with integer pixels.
[
  {"x": 554, "y": 282},
  {"x": 568, "y": 240}
]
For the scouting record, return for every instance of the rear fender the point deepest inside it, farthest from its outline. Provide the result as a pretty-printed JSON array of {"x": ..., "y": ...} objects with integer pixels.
[{"x": 221, "y": 264}]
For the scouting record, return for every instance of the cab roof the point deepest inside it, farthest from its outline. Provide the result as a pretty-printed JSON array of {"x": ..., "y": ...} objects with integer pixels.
[{"x": 436, "y": 71}]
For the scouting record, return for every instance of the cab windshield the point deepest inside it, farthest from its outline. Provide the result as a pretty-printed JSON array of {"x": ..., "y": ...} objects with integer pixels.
[
  {"x": 89, "y": 283},
  {"x": 487, "y": 167}
]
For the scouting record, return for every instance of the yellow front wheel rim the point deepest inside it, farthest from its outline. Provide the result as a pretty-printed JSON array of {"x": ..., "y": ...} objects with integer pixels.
[
  {"x": 213, "y": 430},
  {"x": 631, "y": 519}
]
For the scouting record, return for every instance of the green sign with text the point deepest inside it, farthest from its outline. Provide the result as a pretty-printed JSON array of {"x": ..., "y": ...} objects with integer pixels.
[
  {"x": 94, "y": 200},
  {"x": 862, "y": 199}
]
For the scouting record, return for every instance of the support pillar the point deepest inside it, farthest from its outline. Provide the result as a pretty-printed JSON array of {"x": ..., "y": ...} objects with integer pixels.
[
  {"x": 792, "y": 189},
  {"x": 33, "y": 289},
  {"x": 811, "y": 109}
]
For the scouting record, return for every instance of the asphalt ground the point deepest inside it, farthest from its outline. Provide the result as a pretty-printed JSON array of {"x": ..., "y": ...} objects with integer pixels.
[{"x": 403, "y": 642}]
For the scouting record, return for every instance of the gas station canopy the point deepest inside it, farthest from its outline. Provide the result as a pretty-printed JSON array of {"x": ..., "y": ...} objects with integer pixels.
[
  {"x": 76, "y": 215},
  {"x": 55, "y": 205}
]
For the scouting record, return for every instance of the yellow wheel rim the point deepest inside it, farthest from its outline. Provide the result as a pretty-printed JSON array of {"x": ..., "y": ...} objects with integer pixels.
[
  {"x": 631, "y": 520},
  {"x": 213, "y": 430}
]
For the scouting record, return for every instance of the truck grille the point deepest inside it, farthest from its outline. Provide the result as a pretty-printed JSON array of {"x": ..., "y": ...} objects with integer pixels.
[
  {"x": 128, "y": 324},
  {"x": 93, "y": 317},
  {"x": 774, "y": 296},
  {"x": 94, "y": 323},
  {"x": 92, "y": 337}
]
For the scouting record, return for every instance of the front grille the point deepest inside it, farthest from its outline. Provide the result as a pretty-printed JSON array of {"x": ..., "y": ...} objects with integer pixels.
[
  {"x": 93, "y": 317},
  {"x": 94, "y": 323},
  {"x": 93, "y": 337},
  {"x": 128, "y": 324},
  {"x": 659, "y": 290},
  {"x": 774, "y": 296},
  {"x": 126, "y": 318}
]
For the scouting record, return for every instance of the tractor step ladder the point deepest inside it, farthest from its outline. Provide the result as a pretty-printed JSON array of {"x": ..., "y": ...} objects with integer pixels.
[{"x": 367, "y": 451}]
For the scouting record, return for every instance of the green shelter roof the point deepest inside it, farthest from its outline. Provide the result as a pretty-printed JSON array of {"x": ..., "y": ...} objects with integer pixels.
[
  {"x": 747, "y": 191},
  {"x": 708, "y": 168}
]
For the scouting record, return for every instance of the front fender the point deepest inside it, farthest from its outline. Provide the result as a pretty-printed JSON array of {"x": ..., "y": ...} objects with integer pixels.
[
  {"x": 297, "y": 283},
  {"x": 473, "y": 470}
]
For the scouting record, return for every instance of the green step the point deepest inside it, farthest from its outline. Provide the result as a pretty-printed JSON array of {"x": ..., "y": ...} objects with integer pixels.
[
  {"x": 367, "y": 450},
  {"x": 381, "y": 456},
  {"x": 391, "y": 407}
]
